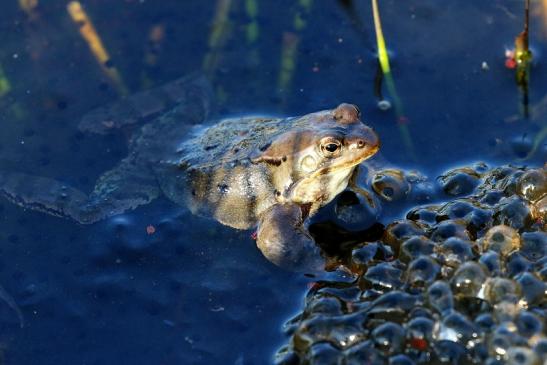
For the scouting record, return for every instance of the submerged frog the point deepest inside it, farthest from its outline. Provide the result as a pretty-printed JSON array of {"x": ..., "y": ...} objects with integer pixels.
[{"x": 269, "y": 173}]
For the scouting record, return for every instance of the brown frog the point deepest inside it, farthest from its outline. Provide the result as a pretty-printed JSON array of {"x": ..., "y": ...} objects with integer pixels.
[{"x": 269, "y": 173}]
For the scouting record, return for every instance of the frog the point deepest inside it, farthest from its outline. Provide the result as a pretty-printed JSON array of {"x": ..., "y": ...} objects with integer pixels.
[{"x": 265, "y": 173}]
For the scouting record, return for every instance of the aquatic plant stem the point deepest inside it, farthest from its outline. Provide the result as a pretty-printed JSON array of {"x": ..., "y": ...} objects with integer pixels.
[
  {"x": 289, "y": 48},
  {"x": 288, "y": 60},
  {"x": 90, "y": 35},
  {"x": 220, "y": 29},
  {"x": 540, "y": 137},
  {"x": 523, "y": 58},
  {"x": 252, "y": 31},
  {"x": 383, "y": 59},
  {"x": 5, "y": 85},
  {"x": 382, "y": 50}
]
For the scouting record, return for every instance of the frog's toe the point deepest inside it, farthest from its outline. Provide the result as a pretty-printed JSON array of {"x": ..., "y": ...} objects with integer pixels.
[
  {"x": 41, "y": 194},
  {"x": 283, "y": 240},
  {"x": 58, "y": 199}
]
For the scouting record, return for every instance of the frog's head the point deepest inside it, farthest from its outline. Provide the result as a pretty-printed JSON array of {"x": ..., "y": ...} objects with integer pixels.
[
  {"x": 337, "y": 143},
  {"x": 319, "y": 152}
]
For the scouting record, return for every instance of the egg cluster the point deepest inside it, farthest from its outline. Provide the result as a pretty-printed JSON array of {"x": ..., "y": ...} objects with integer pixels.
[{"x": 460, "y": 282}]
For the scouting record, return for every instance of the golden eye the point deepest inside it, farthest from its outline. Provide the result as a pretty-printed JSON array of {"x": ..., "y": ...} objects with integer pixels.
[{"x": 330, "y": 147}]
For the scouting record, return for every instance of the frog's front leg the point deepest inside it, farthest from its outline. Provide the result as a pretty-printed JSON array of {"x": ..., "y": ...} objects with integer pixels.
[{"x": 284, "y": 241}]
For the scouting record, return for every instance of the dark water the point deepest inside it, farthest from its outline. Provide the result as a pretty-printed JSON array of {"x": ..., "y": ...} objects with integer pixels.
[{"x": 196, "y": 292}]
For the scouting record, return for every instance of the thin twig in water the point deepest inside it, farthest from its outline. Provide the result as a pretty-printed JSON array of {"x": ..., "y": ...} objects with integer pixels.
[{"x": 8, "y": 299}]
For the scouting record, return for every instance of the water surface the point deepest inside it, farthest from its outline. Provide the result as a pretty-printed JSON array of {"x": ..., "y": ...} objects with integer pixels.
[{"x": 196, "y": 292}]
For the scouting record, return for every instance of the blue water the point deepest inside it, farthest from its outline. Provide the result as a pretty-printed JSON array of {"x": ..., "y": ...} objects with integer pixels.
[{"x": 196, "y": 292}]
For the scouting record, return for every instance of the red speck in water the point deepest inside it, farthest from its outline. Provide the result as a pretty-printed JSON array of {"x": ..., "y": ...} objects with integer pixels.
[
  {"x": 418, "y": 343},
  {"x": 402, "y": 120},
  {"x": 150, "y": 229},
  {"x": 254, "y": 235},
  {"x": 510, "y": 63}
]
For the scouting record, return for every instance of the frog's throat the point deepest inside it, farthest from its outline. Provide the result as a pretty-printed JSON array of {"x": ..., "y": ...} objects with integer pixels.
[{"x": 343, "y": 166}]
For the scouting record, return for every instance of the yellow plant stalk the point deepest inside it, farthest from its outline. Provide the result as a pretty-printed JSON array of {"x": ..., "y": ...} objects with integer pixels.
[
  {"x": 383, "y": 59},
  {"x": 90, "y": 35},
  {"x": 380, "y": 41}
]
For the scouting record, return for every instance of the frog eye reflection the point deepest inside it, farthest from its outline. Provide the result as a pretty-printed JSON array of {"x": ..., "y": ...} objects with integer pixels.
[{"x": 331, "y": 148}]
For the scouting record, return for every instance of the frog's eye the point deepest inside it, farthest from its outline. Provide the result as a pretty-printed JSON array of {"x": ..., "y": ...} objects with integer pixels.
[{"x": 330, "y": 147}]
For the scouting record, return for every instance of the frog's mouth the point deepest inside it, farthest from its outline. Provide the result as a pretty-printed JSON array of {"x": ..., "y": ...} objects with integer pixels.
[{"x": 322, "y": 185}]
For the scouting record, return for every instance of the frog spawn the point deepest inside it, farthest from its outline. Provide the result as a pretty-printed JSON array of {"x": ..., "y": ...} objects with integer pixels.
[{"x": 459, "y": 283}]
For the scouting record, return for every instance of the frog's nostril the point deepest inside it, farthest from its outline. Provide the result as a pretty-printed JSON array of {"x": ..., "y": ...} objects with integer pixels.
[{"x": 361, "y": 143}]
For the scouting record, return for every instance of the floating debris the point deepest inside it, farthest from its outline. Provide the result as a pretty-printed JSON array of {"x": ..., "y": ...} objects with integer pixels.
[
  {"x": 150, "y": 229},
  {"x": 384, "y": 105}
]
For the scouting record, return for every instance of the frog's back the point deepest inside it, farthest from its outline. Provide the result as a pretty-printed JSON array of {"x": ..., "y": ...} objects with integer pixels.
[
  {"x": 220, "y": 179},
  {"x": 236, "y": 140},
  {"x": 233, "y": 141}
]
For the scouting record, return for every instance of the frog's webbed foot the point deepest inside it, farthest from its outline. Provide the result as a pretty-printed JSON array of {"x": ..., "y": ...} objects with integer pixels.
[
  {"x": 42, "y": 194},
  {"x": 283, "y": 240},
  {"x": 115, "y": 193}
]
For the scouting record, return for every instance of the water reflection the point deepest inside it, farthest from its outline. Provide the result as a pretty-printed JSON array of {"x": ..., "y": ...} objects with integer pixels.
[{"x": 113, "y": 288}]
